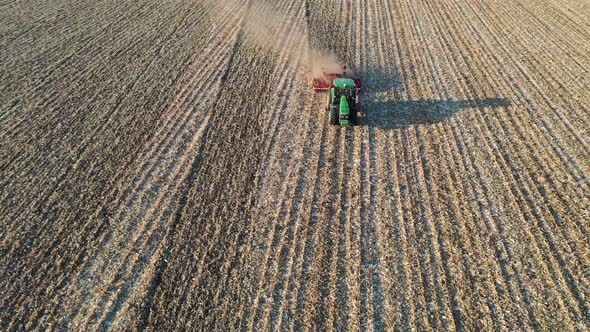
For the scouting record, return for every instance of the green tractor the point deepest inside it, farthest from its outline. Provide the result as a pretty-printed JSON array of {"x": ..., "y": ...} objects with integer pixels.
[{"x": 342, "y": 102}]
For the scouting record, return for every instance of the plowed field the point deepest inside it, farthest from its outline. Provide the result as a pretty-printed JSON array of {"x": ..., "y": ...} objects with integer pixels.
[{"x": 165, "y": 165}]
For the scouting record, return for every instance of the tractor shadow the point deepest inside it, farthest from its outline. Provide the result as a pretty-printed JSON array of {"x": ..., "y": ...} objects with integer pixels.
[{"x": 400, "y": 114}]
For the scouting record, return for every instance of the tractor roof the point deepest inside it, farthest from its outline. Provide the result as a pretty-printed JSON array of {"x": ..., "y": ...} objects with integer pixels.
[{"x": 344, "y": 83}]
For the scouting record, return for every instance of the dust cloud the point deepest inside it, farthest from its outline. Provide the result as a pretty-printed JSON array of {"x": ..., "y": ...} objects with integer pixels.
[{"x": 264, "y": 26}]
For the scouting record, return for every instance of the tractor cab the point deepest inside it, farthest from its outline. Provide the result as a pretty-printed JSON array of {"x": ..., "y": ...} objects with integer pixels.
[{"x": 344, "y": 86}]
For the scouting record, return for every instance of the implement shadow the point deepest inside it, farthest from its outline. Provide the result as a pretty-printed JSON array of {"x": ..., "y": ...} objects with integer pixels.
[{"x": 399, "y": 114}]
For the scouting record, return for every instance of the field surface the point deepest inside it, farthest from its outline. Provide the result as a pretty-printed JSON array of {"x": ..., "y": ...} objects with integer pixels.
[{"x": 164, "y": 165}]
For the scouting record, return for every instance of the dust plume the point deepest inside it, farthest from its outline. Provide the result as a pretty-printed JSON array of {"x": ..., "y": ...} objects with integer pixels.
[
  {"x": 320, "y": 63},
  {"x": 266, "y": 27}
]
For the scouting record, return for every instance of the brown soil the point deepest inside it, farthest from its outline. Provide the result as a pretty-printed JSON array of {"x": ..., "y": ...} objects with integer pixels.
[{"x": 164, "y": 165}]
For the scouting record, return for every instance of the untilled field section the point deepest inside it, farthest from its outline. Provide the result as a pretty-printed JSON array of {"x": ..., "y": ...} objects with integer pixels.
[{"x": 165, "y": 165}]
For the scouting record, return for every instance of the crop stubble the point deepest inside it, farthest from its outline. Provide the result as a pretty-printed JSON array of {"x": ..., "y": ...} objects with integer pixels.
[{"x": 163, "y": 168}]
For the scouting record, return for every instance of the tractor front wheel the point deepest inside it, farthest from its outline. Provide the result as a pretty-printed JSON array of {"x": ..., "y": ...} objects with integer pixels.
[{"x": 334, "y": 114}]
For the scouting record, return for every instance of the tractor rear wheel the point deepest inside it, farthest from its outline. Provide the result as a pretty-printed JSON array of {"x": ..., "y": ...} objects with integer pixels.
[{"x": 334, "y": 115}]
